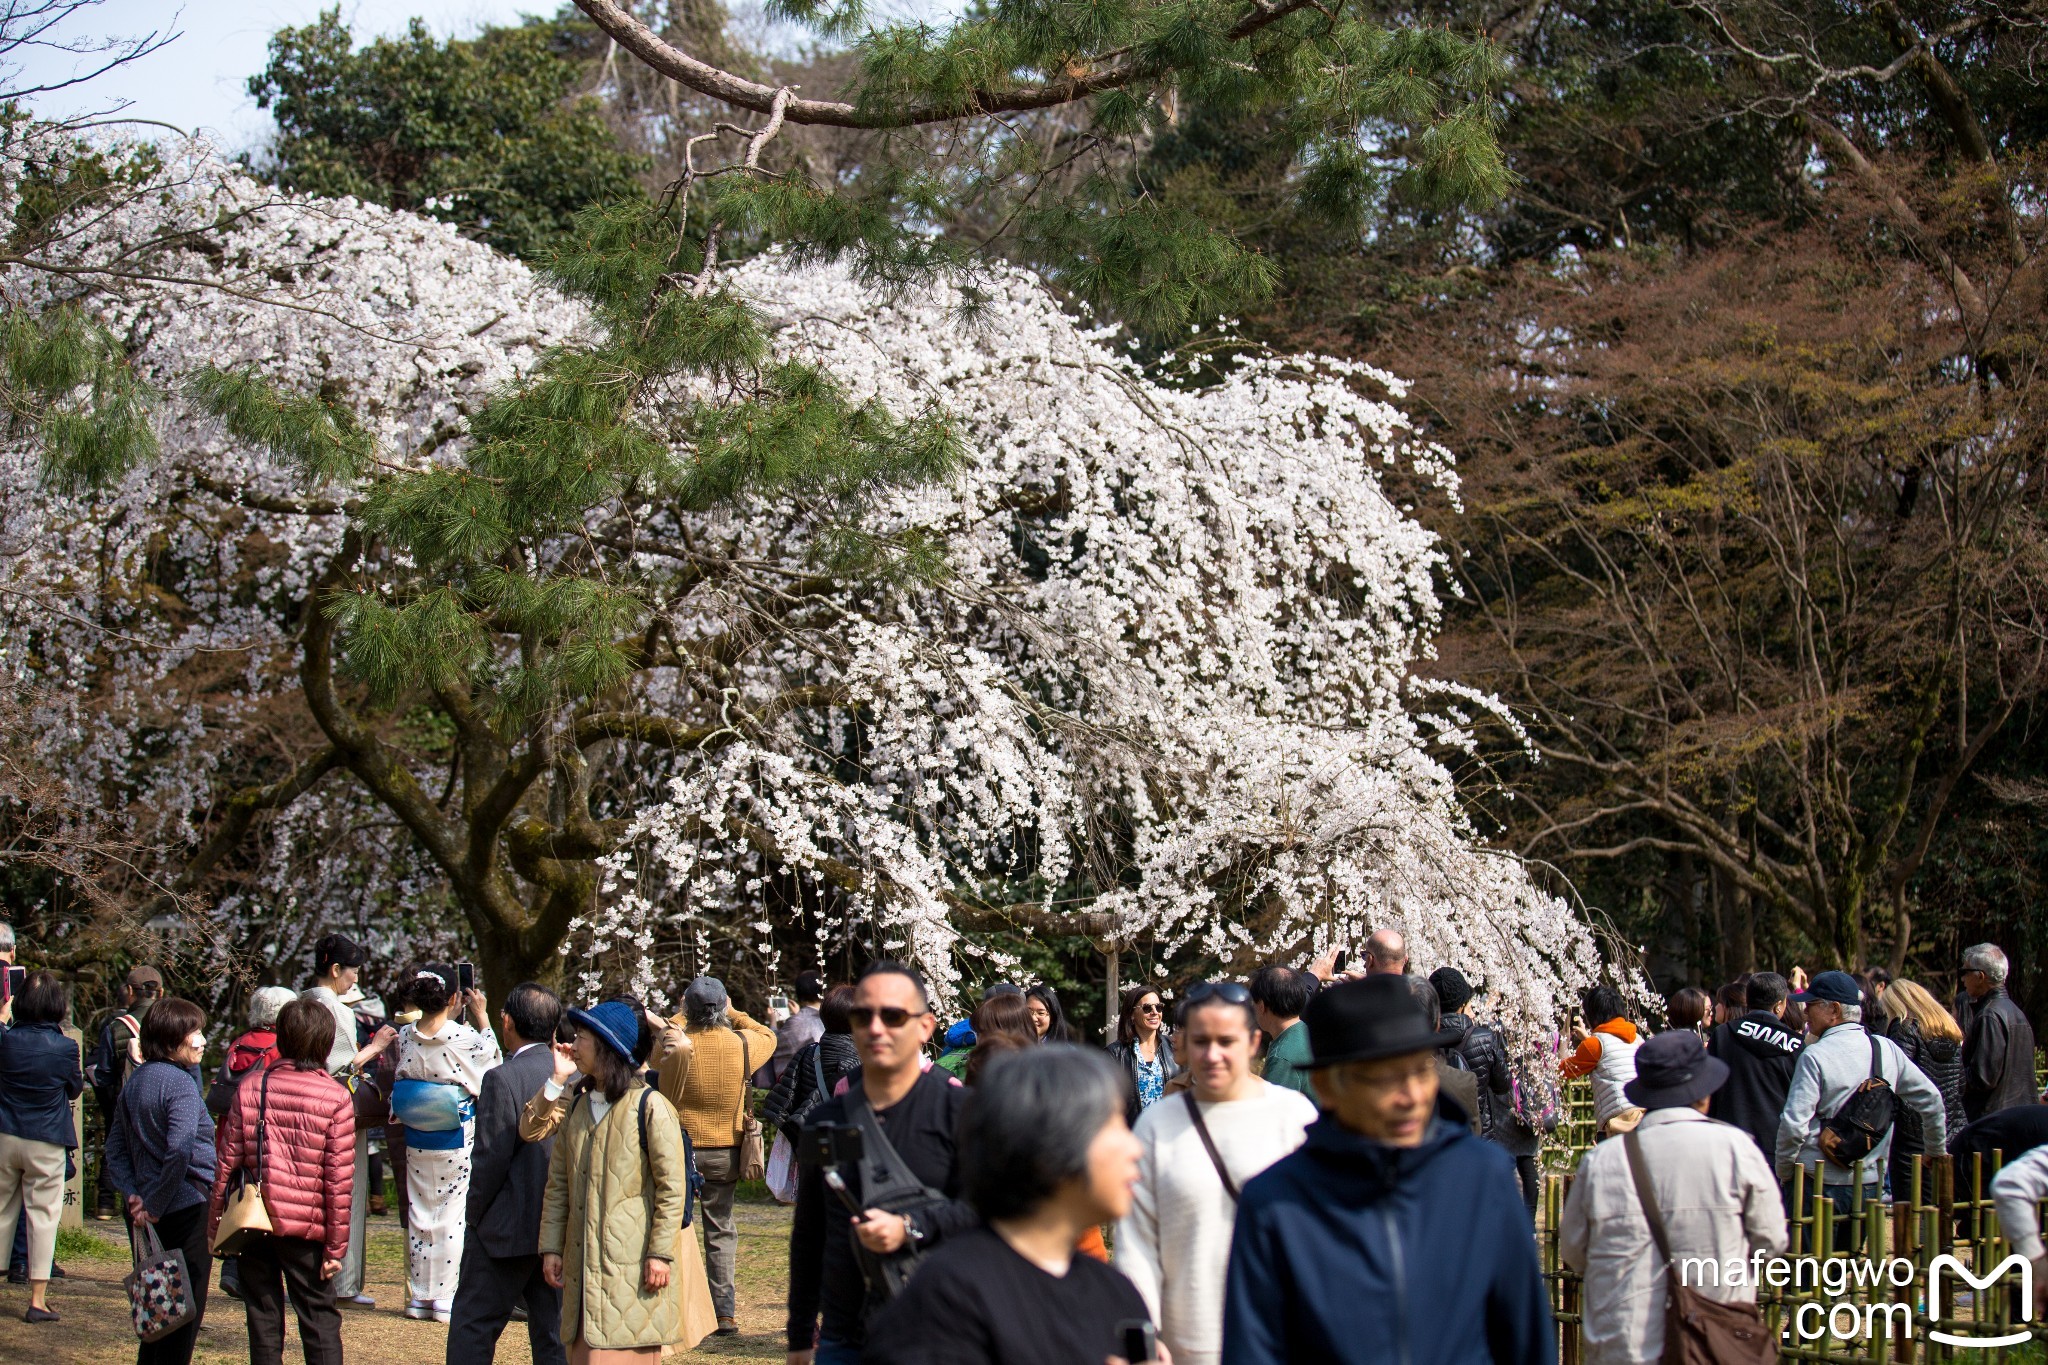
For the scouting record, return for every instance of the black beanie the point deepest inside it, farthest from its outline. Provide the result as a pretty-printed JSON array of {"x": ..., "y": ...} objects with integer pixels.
[{"x": 1451, "y": 987}]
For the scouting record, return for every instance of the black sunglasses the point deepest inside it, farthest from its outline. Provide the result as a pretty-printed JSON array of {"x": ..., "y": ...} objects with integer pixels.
[
  {"x": 1152, "y": 1007},
  {"x": 1229, "y": 992},
  {"x": 860, "y": 1016}
]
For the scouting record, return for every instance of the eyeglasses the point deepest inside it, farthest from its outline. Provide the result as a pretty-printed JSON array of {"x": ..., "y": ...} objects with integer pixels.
[
  {"x": 860, "y": 1016},
  {"x": 1229, "y": 992}
]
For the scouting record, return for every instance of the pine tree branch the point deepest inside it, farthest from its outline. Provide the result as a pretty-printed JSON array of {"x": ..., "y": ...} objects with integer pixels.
[{"x": 706, "y": 79}]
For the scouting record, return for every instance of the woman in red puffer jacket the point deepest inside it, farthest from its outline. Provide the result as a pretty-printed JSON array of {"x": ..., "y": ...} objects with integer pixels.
[{"x": 307, "y": 1158}]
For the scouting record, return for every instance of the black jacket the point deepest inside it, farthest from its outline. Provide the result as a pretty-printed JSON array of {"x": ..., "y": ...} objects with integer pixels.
[
  {"x": 508, "y": 1178},
  {"x": 1941, "y": 1061},
  {"x": 1760, "y": 1052},
  {"x": 2011, "y": 1132},
  {"x": 1998, "y": 1057},
  {"x": 1126, "y": 1056},
  {"x": 824, "y": 1276},
  {"x": 1486, "y": 1057},
  {"x": 797, "y": 1091}
]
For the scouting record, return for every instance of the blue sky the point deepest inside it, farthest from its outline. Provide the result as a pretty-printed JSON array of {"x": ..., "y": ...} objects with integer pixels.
[{"x": 197, "y": 81}]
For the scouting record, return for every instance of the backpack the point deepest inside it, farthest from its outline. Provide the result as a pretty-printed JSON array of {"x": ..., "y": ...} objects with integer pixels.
[
  {"x": 693, "y": 1182},
  {"x": 1853, "y": 1131}
]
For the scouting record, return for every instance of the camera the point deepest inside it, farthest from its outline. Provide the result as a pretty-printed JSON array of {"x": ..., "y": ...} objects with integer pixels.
[{"x": 830, "y": 1144}]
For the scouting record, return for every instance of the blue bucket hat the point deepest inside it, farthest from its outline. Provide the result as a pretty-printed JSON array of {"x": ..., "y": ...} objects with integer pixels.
[{"x": 613, "y": 1023}]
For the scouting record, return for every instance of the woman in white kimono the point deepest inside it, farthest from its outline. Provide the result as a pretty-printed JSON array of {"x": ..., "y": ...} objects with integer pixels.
[{"x": 441, "y": 1066}]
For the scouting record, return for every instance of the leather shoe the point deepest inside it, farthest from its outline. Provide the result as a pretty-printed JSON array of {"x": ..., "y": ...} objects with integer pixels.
[{"x": 39, "y": 1315}]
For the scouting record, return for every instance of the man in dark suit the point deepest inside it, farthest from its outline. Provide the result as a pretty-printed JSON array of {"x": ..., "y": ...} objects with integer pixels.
[{"x": 508, "y": 1179}]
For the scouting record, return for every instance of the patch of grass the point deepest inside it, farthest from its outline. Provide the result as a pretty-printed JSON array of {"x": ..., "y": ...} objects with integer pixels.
[{"x": 76, "y": 1244}]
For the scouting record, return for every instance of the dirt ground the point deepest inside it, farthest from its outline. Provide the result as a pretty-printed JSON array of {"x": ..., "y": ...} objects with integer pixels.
[{"x": 95, "y": 1328}]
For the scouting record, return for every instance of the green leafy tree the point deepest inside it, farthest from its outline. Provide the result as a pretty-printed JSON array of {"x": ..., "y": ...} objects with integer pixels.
[{"x": 487, "y": 133}]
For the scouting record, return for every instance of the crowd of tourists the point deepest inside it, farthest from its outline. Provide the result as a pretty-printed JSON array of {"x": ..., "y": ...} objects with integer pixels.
[{"x": 1330, "y": 1163}]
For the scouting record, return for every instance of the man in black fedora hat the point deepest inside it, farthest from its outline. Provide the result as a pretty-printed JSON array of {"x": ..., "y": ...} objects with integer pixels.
[
  {"x": 1715, "y": 1192},
  {"x": 1393, "y": 1233}
]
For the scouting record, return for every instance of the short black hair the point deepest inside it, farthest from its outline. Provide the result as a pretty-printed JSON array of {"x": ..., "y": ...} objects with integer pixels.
[
  {"x": 43, "y": 1000},
  {"x": 810, "y": 986},
  {"x": 1283, "y": 990},
  {"x": 337, "y": 950},
  {"x": 166, "y": 1027},
  {"x": 1602, "y": 1003},
  {"x": 1029, "y": 1121},
  {"x": 534, "y": 1010},
  {"x": 888, "y": 966},
  {"x": 835, "y": 1013},
  {"x": 1766, "y": 989}
]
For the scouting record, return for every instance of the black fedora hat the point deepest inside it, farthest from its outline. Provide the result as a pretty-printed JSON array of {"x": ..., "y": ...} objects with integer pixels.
[{"x": 1363, "y": 1021}]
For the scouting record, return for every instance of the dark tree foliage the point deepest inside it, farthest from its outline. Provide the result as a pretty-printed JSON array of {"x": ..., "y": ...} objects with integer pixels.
[{"x": 486, "y": 133}]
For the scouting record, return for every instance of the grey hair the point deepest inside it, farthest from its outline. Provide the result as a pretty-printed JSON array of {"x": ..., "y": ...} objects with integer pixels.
[
  {"x": 1028, "y": 1124},
  {"x": 1426, "y": 996},
  {"x": 1987, "y": 958},
  {"x": 6, "y": 937},
  {"x": 265, "y": 1004},
  {"x": 1851, "y": 1014}
]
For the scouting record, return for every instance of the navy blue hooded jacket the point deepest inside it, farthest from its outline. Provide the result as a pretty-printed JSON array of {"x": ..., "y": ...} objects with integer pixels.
[{"x": 1349, "y": 1251}]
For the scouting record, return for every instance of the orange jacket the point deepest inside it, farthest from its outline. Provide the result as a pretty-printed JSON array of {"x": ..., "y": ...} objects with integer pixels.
[{"x": 1582, "y": 1062}]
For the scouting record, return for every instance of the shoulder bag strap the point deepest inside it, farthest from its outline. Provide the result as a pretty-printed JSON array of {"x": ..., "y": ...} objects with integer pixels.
[
  {"x": 1876, "y": 1062},
  {"x": 1209, "y": 1145},
  {"x": 1632, "y": 1147},
  {"x": 818, "y": 1070},
  {"x": 739, "y": 1113},
  {"x": 646, "y": 1093},
  {"x": 881, "y": 1154},
  {"x": 262, "y": 1116}
]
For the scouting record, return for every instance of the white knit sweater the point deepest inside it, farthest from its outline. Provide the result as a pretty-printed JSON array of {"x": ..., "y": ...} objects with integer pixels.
[{"x": 1175, "y": 1242}]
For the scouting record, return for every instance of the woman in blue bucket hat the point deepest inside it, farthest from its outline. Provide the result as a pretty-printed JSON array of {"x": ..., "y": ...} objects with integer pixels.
[{"x": 612, "y": 1226}]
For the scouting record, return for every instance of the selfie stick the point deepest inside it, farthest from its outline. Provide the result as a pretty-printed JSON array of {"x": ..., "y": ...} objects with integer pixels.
[{"x": 837, "y": 1184}]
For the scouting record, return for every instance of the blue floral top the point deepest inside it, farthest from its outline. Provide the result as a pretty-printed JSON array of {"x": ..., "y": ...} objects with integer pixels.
[{"x": 1151, "y": 1081}]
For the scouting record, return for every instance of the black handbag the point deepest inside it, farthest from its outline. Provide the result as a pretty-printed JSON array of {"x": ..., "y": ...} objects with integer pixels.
[{"x": 1853, "y": 1131}]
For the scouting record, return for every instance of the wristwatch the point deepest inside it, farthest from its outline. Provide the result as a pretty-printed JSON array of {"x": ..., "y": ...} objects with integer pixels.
[{"x": 911, "y": 1231}]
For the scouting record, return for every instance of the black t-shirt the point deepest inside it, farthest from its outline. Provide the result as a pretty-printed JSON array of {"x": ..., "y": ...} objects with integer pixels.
[{"x": 975, "y": 1301}]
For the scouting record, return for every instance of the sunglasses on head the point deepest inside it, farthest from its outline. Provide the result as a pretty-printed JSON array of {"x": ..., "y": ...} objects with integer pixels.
[
  {"x": 860, "y": 1016},
  {"x": 1229, "y": 992}
]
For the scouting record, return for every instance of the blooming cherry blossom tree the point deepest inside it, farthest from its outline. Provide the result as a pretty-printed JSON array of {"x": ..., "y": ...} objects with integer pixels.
[{"x": 970, "y": 624}]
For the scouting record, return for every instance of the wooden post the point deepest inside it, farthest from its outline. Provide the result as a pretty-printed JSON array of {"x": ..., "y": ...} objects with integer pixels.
[
  {"x": 73, "y": 1213},
  {"x": 1115, "y": 992}
]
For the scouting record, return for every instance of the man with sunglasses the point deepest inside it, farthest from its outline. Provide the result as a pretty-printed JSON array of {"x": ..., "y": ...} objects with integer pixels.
[
  {"x": 1998, "y": 1042},
  {"x": 915, "y": 1111},
  {"x": 1199, "y": 1148}
]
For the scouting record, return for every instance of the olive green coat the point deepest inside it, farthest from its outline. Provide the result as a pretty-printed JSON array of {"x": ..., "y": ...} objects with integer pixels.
[{"x": 609, "y": 1210}]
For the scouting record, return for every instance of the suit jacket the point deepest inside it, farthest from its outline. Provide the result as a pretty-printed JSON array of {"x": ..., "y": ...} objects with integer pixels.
[{"x": 508, "y": 1178}]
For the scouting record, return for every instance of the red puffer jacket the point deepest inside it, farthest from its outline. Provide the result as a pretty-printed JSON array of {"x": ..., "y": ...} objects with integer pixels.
[{"x": 309, "y": 1153}]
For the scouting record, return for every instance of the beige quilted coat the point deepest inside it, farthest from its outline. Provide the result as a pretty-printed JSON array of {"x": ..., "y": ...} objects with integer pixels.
[{"x": 607, "y": 1211}]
